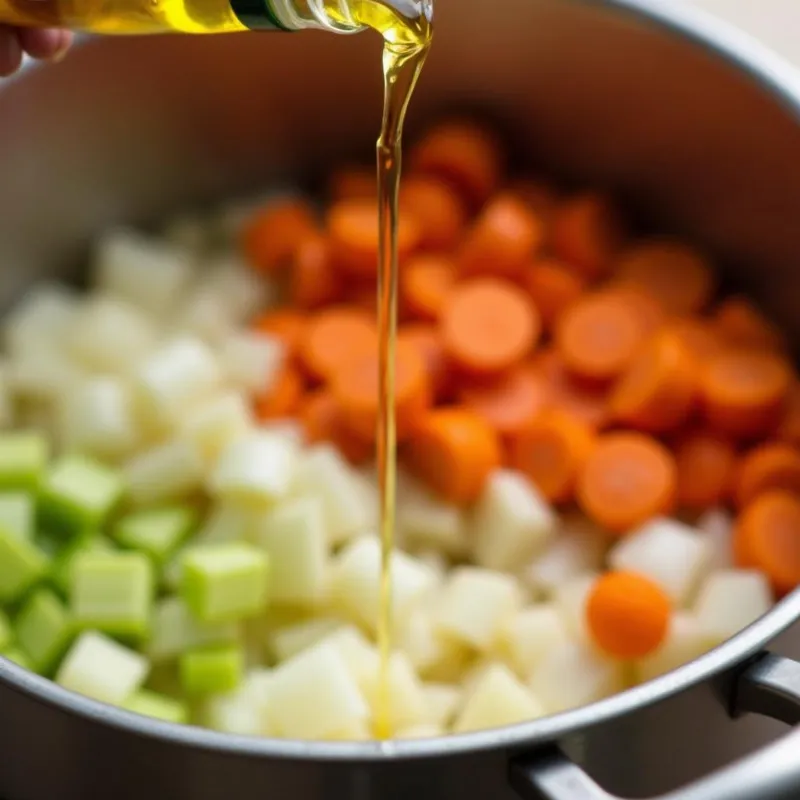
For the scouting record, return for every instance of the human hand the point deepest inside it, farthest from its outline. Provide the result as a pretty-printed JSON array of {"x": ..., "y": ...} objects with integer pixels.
[{"x": 46, "y": 44}]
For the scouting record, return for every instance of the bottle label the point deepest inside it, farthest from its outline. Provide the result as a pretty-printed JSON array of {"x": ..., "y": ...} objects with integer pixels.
[{"x": 257, "y": 15}]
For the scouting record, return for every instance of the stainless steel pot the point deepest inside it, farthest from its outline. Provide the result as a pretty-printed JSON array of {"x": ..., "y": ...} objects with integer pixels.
[{"x": 691, "y": 122}]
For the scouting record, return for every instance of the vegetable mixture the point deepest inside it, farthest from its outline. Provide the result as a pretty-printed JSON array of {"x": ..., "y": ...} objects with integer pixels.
[{"x": 600, "y": 459}]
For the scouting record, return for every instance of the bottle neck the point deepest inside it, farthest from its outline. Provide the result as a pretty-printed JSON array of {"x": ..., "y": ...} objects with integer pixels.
[{"x": 296, "y": 15}]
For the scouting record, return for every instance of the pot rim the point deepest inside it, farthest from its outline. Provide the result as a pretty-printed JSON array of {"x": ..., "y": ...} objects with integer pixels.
[{"x": 782, "y": 81}]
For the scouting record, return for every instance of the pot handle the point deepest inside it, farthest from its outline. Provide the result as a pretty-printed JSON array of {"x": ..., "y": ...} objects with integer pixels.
[{"x": 770, "y": 686}]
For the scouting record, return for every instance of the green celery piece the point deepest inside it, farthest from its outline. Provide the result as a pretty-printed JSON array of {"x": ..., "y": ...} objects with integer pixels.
[
  {"x": 158, "y": 706},
  {"x": 23, "y": 459},
  {"x": 212, "y": 670},
  {"x": 85, "y": 542},
  {"x": 159, "y": 532},
  {"x": 224, "y": 582},
  {"x": 112, "y": 593},
  {"x": 78, "y": 493},
  {"x": 18, "y": 657},
  {"x": 44, "y": 631},
  {"x": 6, "y": 634},
  {"x": 22, "y": 564},
  {"x": 17, "y": 513}
]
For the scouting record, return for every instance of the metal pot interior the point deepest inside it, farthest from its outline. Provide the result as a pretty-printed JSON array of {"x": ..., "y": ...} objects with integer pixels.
[{"x": 701, "y": 137}]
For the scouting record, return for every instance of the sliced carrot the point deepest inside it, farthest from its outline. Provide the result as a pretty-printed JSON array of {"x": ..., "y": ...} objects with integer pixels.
[
  {"x": 426, "y": 339},
  {"x": 587, "y": 234},
  {"x": 698, "y": 337},
  {"x": 353, "y": 230},
  {"x": 739, "y": 323},
  {"x": 286, "y": 325},
  {"x": 789, "y": 427},
  {"x": 320, "y": 416},
  {"x": 335, "y": 336},
  {"x": 706, "y": 464},
  {"x": 657, "y": 392},
  {"x": 272, "y": 236},
  {"x": 599, "y": 336},
  {"x": 553, "y": 288},
  {"x": 677, "y": 275},
  {"x": 628, "y": 615},
  {"x": 510, "y": 403},
  {"x": 438, "y": 210},
  {"x": 540, "y": 197},
  {"x": 356, "y": 390},
  {"x": 489, "y": 326},
  {"x": 587, "y": 403},
  {"x": 767, "y": 538},
  {"x": 313, "y": 280},
  {"x": 767, "y": 467},
  {"x": 551, "y": 451},
  {"x": 502, "y": 240},
  {"x": 454, "y": 451},
  {"x": 643, "y": 305},
  {"x": 282, "y": 398},
  {"x": 425, "y": 285},
  {"x": 364, "y": 296},
  {"x": 744, "y": 392},
  {"x": 628, "y": 479},
  {"x": 353, "y": 183},
  {"x": 464, "y": 154}
]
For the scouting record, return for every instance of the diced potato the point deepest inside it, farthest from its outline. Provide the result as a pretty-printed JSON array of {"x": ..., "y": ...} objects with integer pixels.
[
  {"x": 355, "y": 582},
  {"x": 313, "y": 695},
  {"x": 322, "y": 472},
  {"x": 228, "y": 522},
  {"x": 251, "y": 361},
  {"x": 257, "y": 470},
  {"x": 217, "y": 423},
  {"x": 425, "y": 730},
  {"x": 359, "y": 655},
  {"x": 204, "y": 314},
  {"x": 110, "y": 336},
  {"x": 475, "y": 603},
  {"x": 578, "y": 547},
  {"x": 293, "y": 536},
  {"x": 149, "y": 273},
  {"x": 434, "y": 655},
  {"x": 570, "y": 602},
  {"x": 510, "y": 523},
  {"x": 40, "y": 318},
  {"x": 407, "y": 704},
  {"x": 669, "y": 553},
  {"x": 498, "y": 699},
  {"x": 241, "y": 291},
  {"x": 715, "y": 526},
  {"x": 170, "y": 471},
  {"x": 729, "y": 601},
  {"x": 685, "y": 642},
  {"x": 97, "y": 418},
  {"x": 287, "y": 642},
  {"x": 358, "y": 731},
  {"x": 246, "y": 710},
  {"x": 41, "y": 375},
  {"x": 529, "y": 635},
  {"x": 575, "y": 675}
]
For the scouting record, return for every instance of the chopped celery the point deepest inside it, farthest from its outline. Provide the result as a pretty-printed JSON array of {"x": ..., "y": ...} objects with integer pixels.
[
  {"x": 158, "y": 532},
  {"x": 22, "y": 564},
  {"x": 175, "y": 630},
  {"x": 224, "y": 582},
  {"x": 17, "y": 513},
  {"x": 23, "y": 459},
  {"x": 6, "y": 635},
  {"x": 99, "y": 667},
  {"x": 112, "y": 592},
  {"x": 211, "y": 671},
  {"x": 158, "y": 706},
  {"x": 78, "y": 493},
  {"x": 18, "y": 657},
  {"x": 86, "y": 542},
  {"x": 44, "y": 630}
]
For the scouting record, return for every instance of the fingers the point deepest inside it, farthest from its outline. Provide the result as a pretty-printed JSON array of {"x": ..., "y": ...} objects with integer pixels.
[{"x": 48, "y": 44}]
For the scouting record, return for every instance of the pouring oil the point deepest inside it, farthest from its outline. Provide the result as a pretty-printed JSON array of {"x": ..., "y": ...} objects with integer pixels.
[{"x": 407, "y": 29}]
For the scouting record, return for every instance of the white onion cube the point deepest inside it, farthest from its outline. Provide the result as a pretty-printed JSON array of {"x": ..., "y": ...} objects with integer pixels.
[
  {"x": 40, "y": 317},
  {"x": 288, "y": 641},
  {"x": 443, "y": 700},
  {"x": 215, "y": 424},
  {"x": 570, "y": 601},
  {"x": 251, "y": 360},
  {"x": 169, "y": 471},
  {"x": 685, "y": 641},
  {"x": 404, "y": 703},
  {"x": 529, "y": 635},
  {"x": 715, "y": 526}
]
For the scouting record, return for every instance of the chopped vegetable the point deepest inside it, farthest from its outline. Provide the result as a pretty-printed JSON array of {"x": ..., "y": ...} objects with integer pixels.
[
  {"x": 158, "y": 532},
  {"x": 22, "y": 565},
  {"x": 23, "y": 459},
  {"x": 44, "y": 630},
  {"x": 150, "y": 704},
  {"x": 211, "y": 671}
]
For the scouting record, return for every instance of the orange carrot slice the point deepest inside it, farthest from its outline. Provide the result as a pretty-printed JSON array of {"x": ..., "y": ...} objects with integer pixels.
[
  {"x": 553, "y": 289},
  {"x": 313, "y": 280},
  {"x": 286, "y": 325},
  {"x": 538, "y": 196},
  {"x": 438, "y": 210},
  {"x": 425, "y": 285},
  {"x": 789, "y": 428},
  {"x": 740, "y": 324},
  {"x": 767, "y": 538},
  {"x": 698, "y": 336},
  {"x": 454, "y": 451},
  {"x": 321, "y": 419},
  {"x": 744, "y": 392},
  {"x": 428, "y": 342},
  {"x": 678, "y": 276},
  {"x": 271, "y": 238},
  {"x": 353, "y": 183},
  {"x": 628, "y": 479},
  {"x": 282, "y": 398},
  {"x": 489, "y": 326},
  {"x": 628, "y": 615},
  {"x": 706, "y": 464},
  {"x": 552, "y": 451},
  {"x": 767, "y": 467}
]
